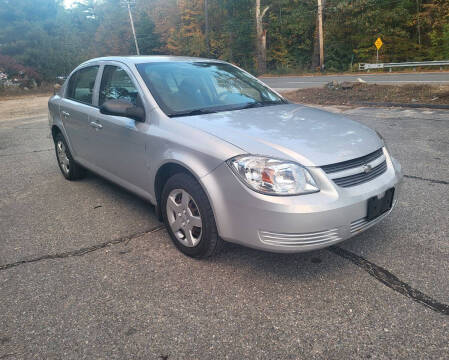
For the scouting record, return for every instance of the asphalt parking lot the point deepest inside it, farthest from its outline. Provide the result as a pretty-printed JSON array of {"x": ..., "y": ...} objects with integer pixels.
[{"x": 87, "y": 271}]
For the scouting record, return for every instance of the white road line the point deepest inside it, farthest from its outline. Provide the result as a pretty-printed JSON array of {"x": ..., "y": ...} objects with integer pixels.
[
  {"x": 412, "y": 81},
  {"x": 307, "y": 82},
  {"x": 374, "y": 81}
]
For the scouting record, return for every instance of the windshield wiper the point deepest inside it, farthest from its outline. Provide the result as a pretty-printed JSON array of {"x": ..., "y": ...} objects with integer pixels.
[
  {"x": 256, "y": 104},
  {"x": 193, "y": 112},
  {"x": 215, "y": 109}
]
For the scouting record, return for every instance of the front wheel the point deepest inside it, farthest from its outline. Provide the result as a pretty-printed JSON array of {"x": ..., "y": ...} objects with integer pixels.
[
  {"x": 69, "y": 168},
  {"x": 189, "y": 218}
]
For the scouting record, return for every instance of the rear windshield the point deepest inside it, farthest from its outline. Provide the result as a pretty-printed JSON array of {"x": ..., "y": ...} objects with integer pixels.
[{"x": 187, "y": 88}]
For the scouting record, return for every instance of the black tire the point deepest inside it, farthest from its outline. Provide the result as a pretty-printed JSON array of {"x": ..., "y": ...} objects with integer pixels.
[
  {"x": 210, "y": 243},
  {"x": 74, "y": 171}
]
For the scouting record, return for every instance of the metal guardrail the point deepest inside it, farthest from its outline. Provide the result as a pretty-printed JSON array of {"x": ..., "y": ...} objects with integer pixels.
[{"x": 403, "y": 64}]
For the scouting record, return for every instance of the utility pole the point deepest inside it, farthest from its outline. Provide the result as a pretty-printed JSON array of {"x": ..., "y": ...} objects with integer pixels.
[
  {"x": 206, "y": 19},
  {"x": 320, "y": 33},
  {"x": 261, "y": 40},
  {"x": 419, "y": 22},
  {"x": 128, "y": 3}
]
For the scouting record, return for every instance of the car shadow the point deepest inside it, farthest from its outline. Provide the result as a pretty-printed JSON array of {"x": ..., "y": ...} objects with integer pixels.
[
  {"x": 118, "y": 193},
  {"x": 306, "y": 265}
]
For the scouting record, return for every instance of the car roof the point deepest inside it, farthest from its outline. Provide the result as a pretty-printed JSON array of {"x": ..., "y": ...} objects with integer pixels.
[{"x": 135, "y": 59}]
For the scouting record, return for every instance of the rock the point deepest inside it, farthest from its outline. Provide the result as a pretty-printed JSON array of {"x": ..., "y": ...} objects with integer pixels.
[
  {"x": 332, "y": 85},
  {"x": 347, "y": 85}
]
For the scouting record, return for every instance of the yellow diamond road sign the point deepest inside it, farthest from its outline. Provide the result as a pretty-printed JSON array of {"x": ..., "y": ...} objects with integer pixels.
[{"x": 378, "y": 43}]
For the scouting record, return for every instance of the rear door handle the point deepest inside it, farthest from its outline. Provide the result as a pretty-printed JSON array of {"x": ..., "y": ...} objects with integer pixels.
[
  {"x": 96, "y": 125},
  {"x": 65, "y": 113}
]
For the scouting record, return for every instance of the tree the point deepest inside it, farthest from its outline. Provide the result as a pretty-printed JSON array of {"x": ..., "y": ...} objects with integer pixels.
[
  {"x": 436, "y": 18},
  {"x": 149, "y": 41},
  {"x": 52, "y": 39},
  {"x": 113, "y": 36},
  {"x": 261, "y": 39},
  {"x": 188, "y": 37}
]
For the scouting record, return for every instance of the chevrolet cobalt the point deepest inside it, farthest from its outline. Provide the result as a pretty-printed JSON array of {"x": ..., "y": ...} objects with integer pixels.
[{"x": 221, "y": 155}]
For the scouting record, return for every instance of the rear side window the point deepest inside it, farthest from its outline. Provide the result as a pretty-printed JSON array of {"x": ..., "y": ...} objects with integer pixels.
[
  {"x": 81, "y": 85},
  {"x": 117, "y": 85}
]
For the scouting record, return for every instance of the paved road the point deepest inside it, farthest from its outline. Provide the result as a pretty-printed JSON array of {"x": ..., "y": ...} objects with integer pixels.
[
  {"x": 301, "y": 82},
  {"x": 86, "y": 271}
]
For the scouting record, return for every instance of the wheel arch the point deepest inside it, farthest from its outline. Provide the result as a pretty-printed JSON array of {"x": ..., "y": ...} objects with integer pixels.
[
  {"x": 165, "y": 172},
  {"x": 58, "y": 128},
  {"x": 55, "y": 130}
]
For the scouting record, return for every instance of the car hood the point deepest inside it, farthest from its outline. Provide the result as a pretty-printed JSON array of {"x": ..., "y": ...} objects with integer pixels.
[{"x": 307, "y": 135}]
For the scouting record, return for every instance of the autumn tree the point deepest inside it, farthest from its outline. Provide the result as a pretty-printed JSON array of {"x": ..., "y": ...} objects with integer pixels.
[
  {"x": 188, "y": 37},
  {"x": 52, "y": 39},
  {"x": 113, "y": 35}
]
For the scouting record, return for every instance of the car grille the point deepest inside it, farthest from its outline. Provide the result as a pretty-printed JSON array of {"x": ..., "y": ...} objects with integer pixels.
[
  {"x": 313, "y": 238},
  {"x": 352, "y": 172},
  {"x": 328, "y": 169}
]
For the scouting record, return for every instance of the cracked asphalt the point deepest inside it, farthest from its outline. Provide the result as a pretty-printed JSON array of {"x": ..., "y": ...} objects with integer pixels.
[{"x": 88, "y": 272}]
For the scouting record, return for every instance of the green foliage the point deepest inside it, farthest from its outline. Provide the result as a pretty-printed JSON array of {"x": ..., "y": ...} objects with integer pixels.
[
  {"x": 52, "y": 40},
  {"x": 149, "y": 40},
  {"x": 236, "y": 29},
  {"x": 290, "y": 31},
  {"x": 437, "y": 16}
]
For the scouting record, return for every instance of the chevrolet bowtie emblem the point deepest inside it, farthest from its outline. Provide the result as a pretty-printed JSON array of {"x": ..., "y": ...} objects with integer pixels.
[{"x": 367, "y": 168}]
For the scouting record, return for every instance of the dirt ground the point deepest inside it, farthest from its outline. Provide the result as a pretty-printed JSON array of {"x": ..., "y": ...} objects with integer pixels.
[
  {"x": 23, "y": 106},
  {"x": 362, "y": 93}
]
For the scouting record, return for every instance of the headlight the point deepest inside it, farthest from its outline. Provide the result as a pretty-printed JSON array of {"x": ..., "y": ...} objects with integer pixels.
[{"x": 273, "y": 176}]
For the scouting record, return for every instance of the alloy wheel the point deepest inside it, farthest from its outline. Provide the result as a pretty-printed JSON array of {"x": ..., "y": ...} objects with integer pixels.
[{"x": 63, "y": 159}]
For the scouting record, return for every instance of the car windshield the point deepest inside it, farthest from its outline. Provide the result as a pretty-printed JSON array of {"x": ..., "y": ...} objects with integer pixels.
[{"x": 194, "y": 88}]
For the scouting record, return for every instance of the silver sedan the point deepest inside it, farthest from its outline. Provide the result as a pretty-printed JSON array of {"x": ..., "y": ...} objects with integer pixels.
[{"x": 222, "y": 156}]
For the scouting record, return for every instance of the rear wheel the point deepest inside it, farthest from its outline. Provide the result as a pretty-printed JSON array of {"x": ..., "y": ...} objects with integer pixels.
[
  {"x": 189, "y": 218},
  {"x": 69, "y": 168}
]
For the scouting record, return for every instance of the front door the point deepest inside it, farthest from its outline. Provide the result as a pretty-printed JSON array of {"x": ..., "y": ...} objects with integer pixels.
[{"x": 121, "y": 141}]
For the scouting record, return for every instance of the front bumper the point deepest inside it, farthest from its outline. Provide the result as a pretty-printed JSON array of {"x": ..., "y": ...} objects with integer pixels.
[{"x": 295, "y": 223}]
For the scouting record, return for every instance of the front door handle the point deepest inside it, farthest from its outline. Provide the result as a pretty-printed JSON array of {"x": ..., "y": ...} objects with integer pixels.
[
  {"x": 96, "y": 125},
  {"x": 65, "y": 113}
]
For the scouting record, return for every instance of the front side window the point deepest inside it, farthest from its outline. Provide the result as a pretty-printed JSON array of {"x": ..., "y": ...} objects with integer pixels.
[
  {"x": 81, "y": 85},
  {"x": 117, "y": 85},
  {"x": 190, "y": 88}
]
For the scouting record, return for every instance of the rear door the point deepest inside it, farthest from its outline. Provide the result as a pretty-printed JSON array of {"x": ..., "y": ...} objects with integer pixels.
[
  {"x": 77, "y": 105},
  {"x": 121, "y": 140}
]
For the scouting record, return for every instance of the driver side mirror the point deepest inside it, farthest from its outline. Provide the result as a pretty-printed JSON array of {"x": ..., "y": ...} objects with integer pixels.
[{"x": 123, "y": 108}]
